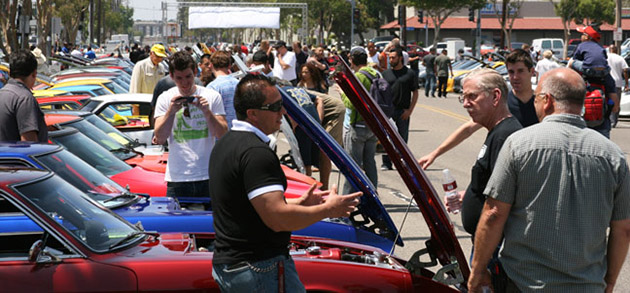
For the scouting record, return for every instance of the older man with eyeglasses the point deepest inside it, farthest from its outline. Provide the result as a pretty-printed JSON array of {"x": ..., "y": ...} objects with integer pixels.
[
  {"x": 485, "y": 98},
  {"x": 559, "y": 197}
]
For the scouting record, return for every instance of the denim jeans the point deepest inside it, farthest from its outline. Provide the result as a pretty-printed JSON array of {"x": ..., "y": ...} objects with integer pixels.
[
  {"x": 579, "y": 66},
  {"x": 260, "y": 276},
  {"x": 442, "y": 85},
  {"x": 429, "y": 84},
  {"x": 604, "y": 128},
  {"x": 360, "y": 143},
  {"x": 403, "y": 130}
]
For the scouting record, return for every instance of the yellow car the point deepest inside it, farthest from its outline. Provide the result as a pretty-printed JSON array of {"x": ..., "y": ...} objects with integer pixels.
[
  {"x": 454, "y": 82},
  {"x": 49, "y": 93},
  {"x": 108, "y": 86}
]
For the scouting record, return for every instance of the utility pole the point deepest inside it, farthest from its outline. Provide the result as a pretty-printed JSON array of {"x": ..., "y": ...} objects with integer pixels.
[
  {"x": 618, "y": 25},
  {"x": 402, "y": 21},
  {"x": 352, "y": 20},
  {"x": 478, "y": 35},
  {"x": 91, "y": 25},
  {"x": 99, "y": 21}
]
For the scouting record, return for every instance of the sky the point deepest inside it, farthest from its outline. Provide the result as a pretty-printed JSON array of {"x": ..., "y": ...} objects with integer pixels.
[{"x": 151, "y": 9}]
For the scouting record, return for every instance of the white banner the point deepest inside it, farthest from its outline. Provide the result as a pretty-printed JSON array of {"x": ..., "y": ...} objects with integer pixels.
[{"x": 233, "y": 17}]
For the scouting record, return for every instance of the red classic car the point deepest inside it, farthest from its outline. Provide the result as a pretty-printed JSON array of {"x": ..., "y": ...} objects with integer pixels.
[{"x": 74, "y": 244}]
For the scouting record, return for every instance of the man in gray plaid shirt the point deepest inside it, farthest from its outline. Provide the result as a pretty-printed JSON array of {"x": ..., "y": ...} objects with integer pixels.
[{"x": 555, "y": 190}]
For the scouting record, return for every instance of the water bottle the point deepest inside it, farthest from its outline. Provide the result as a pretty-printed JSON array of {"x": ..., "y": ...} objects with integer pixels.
[{"x": 450, "y": 188}]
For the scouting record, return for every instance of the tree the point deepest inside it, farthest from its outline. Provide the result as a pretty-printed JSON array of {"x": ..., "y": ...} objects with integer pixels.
[
  {"x": 70, "y": 11},
  {"x": 440, "y": 10},
  {"x": 583, "y": 12},
  {"x": 45, "y": 10},
  {"x": 118, "y": 21},
  {"x": 506, "y": 19},
  {"x": 8, "y": 14}
]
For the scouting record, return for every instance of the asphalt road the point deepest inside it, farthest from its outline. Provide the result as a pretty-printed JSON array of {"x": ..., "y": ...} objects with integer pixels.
[{"x": 432, "y": 121}]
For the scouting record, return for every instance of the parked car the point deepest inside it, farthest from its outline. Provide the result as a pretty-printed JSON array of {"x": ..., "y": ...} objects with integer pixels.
[
  {"x": 135, "y": 108},
  {"x": 91, "y": 90},
  {"x": 107, "y": 85},
  {"x": 624, "y": 105},
  {"x": 162, "y": 214},
  {"x": 70, "y": 243},
  {"x": 555, "y": 45},
  {"x": 63, "y": 102}
]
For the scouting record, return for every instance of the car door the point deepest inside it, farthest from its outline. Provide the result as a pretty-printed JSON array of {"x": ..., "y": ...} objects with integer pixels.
[{"x": 59, "y": 267}]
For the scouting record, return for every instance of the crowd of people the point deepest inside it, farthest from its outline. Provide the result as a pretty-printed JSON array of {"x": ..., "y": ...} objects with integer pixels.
[{"x": 543, "y": 192}]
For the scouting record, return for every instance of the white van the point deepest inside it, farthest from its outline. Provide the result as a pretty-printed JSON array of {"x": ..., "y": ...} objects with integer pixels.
[{"x": 555, "y": 45}]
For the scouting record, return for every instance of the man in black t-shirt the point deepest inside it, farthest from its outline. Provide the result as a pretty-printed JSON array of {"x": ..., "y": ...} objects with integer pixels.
[
  {"x": 485, "y": 98},
  {"x": 520, "y": 102},
  {"x": 252, "y": 219},
  {"x": 404, "y": 84}
]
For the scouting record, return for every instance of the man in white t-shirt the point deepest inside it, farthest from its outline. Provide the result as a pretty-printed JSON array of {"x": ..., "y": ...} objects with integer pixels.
[
  {"x": 618, "y": 67},
  {"x": 545, "y": 64},
  {"x": 190, "y": 118},
  {"x": 284, "y": 63}
]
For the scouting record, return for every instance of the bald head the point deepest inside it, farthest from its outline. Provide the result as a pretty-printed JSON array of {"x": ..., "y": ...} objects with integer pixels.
[{"x": 567, "y": 87}]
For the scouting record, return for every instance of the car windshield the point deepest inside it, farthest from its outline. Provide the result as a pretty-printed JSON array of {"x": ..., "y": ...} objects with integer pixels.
[
  {"x": 99, "y": 92},
  {"x": 89, "y": 106},
  {"x": 111, "y": 130},
  {"x": 96, "y": 227},
  {"x": 100, "y": 137},
  {"x": 92, "y": 153},
  {"x": 124, "y": 85},
  {"x": 87, "y": 179},
  {"x": 116, "y": 89}
]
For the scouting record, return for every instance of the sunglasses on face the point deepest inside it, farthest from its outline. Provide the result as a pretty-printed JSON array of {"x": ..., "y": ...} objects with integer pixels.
[{"x": 273, "y": 107}]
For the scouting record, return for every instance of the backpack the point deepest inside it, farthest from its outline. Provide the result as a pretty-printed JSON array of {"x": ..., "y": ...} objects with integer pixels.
[
  {"x": 595, "y": 106},
  {"x": 381, "y": 92}
]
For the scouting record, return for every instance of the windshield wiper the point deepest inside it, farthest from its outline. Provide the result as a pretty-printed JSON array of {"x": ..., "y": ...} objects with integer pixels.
[
  {"x": 133, "y": 235},
  {"x": 127, "y": 150},
  {"x": 126, "y": 194}
]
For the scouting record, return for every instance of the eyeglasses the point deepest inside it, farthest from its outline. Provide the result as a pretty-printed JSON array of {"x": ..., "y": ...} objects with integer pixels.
[
  {"x": 470, "y": 97},
  {"x": 273, "y": 107}
]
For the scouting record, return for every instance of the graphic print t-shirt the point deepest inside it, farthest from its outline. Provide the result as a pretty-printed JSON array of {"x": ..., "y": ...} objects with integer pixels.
[{"x": 190, "y": 143}]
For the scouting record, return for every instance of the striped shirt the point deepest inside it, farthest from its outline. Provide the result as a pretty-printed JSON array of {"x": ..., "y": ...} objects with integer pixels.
[{"x": 565, "y": 183}]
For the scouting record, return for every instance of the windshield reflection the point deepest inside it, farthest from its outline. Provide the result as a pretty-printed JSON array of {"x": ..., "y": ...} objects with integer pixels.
[
  {"x": 100, "y": 137},
  {"x": 87, "y": 179},
  {"x": 96, "y": 227},
  {"x": 91, "y": 153}
]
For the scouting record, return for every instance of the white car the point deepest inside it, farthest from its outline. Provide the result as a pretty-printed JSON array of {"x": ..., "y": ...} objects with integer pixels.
[
  {"x": 134, "y": 109},
  {"x": 624, "y": 109}
]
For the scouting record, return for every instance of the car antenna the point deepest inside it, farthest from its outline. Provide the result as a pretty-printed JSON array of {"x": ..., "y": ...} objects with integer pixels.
[{"x": 391, "y": 252}]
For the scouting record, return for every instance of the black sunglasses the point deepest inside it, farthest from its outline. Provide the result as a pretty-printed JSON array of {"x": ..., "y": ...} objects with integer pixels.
[{"x": 273, "y": 107}]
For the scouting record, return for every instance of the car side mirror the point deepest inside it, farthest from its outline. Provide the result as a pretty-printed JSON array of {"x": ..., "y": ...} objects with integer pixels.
[{"x": 38, "y": 254}]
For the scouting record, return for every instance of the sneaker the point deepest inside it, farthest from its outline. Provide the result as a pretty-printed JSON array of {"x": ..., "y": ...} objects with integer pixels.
[{"x": 385, "y": 168}]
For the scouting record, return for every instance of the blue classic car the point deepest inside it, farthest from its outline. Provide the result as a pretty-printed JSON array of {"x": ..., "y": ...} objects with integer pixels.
[{"x": 162, "y": 214}]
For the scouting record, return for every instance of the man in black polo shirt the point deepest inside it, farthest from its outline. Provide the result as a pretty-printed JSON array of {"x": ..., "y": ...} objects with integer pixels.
[
  {"x": 20, "y": 116},
  {"x": 252, "y": 219}
]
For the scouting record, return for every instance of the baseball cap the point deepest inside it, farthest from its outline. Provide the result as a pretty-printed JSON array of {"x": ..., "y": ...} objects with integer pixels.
[
  {"x": 159, "y": 50},
  {"x": 591, "y": 32},
  {"x": 279, "y": 44}
]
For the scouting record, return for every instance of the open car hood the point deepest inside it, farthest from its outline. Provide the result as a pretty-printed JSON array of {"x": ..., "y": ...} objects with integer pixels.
[
  {"x": 443, "y": 244},
  {"x": 370, "y": 214}
]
